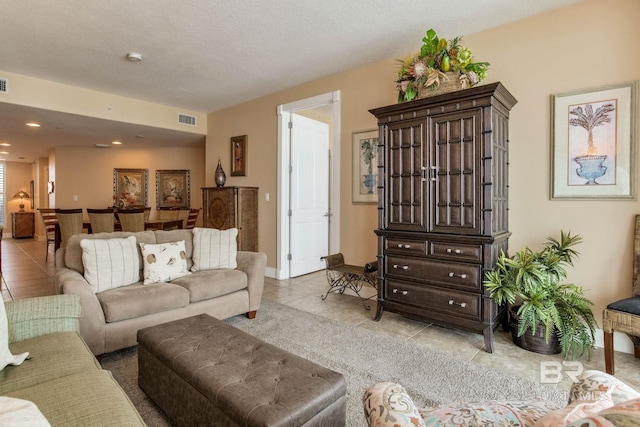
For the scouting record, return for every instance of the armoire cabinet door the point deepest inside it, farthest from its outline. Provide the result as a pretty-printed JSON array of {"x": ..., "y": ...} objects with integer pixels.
[
  {"x": 406, "y": 191},
  {"x": 455, "y": 142}
]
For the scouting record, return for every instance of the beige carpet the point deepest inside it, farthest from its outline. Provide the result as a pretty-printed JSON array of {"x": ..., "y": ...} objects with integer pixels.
[{"x": 363, "y": 357}]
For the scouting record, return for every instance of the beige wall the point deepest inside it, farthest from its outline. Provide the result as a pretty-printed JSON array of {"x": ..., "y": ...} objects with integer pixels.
[
  {"x": 580, "y": 46},
  {"x": 88, "y": 173}
]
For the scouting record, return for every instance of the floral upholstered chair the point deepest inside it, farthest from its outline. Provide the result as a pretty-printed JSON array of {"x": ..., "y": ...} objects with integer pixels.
[{"x": 596, "y": 399}]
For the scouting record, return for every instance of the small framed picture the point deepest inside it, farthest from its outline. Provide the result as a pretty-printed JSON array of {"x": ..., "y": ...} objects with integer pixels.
[
  {"x": 593, "y": 153},
  {"x": 365, "y": 166},
  {"x": 173, "y": 189},
  {"x": 239, "y": 155},
  {"x": 130, "y": 187}
]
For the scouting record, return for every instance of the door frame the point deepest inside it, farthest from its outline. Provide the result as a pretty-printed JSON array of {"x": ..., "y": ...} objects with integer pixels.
[{"x": 331, "y": 99}]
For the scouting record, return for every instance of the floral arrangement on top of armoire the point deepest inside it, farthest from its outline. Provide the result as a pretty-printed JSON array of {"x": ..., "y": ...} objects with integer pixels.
[{"x": 441, "y": 66}]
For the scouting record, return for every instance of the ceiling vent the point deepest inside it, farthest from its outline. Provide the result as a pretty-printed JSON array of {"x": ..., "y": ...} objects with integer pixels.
[
  {"x": 3, "y": 86},
  {"x": 186, "y": 119}
]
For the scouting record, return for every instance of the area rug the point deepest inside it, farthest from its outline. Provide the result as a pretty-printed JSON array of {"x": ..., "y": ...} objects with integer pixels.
[{"x": 363, "y": 357}]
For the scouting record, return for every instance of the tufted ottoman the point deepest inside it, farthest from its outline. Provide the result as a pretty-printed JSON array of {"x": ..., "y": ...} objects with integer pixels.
[{"x": 203, "y": 372}]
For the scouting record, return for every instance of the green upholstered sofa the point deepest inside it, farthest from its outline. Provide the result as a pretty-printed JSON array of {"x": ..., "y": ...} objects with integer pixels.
[{"x": 61, "y": 376}]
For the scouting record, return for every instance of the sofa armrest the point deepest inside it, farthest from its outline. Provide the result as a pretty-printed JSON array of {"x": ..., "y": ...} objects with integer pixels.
[
  {"x": 92, "y": 320},
  {"x": 34, "y": 317},
  {"x": 389, "y": 404},
  {"x": 253, "y": 264},
  {"x": 591, "y": 384}
]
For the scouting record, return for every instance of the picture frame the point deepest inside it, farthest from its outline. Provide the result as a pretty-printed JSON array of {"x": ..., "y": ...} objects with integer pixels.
[
  {"x": 130, "y": 187},
  {"x": 31, "y": 191},
  {"x": 365, "y": 166},
  {"x": 239, "y": 155},
  {"x": 173, "y": 188},
  {"x": 593, "y": 143}
]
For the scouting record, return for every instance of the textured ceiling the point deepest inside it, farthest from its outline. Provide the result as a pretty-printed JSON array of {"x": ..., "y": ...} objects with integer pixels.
[{"x": 205, "y": 55}]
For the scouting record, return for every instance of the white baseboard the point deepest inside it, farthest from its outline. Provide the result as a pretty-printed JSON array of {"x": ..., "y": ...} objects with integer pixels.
[
  {"x": 271, "y": 273},
  {"x": 621, "y": 342}
]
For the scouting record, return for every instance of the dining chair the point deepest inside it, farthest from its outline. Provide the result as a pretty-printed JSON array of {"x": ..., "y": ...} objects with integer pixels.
[
  {"x": 624, "y": 315},
  {"x": 102, "y": 220},
  {"x": 192, "y": 218},
  {"x": 70, "y": 223},
  {"x": 147, "y": 213},
  {"x": 49, "y": 220},
  {"x": 168, "y": 213},
  {"x": 131, "y": 219}
]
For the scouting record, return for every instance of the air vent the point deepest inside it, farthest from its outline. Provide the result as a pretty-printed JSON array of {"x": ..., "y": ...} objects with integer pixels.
[
  {"x": 98, "y": 145},
  {"x": 3, "y": 86},
  {"x": 185, "y": 119}
]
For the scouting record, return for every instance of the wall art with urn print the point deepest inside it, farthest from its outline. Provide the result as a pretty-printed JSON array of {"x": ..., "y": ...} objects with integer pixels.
[
  {"x": 365, "y": 166},
  {"x": 594, "y": 143},
  {"x": 173, "y": 189},
  {"x": 130, "y": 188}
]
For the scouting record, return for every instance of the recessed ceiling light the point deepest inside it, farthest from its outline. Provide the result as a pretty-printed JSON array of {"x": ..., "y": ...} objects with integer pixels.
[
  {"x": 116, "y": 142},
  {"x": 134, "y": 57},
  {"x": 4, "y": 152},
  {"x": 5, "y": 144},
  {"x": 33, "y": 124}
]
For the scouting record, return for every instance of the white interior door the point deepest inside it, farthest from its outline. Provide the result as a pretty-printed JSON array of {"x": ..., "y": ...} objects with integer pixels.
[{"x": 309, "y": 205}]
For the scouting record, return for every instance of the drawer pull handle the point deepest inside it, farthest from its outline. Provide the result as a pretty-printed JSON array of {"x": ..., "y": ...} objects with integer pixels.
[
  {"x": 400, "y": 245},
  {"x": 455, "y": 251},
  {"x": 461, "y": 304},
  {"x": 404, "y": 267},
  {"x": 462, "y": 276},
  {"x": 395, "y": 291}
]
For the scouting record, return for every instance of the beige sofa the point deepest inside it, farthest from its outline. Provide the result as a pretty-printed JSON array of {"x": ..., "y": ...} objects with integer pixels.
[
  {"x": 61, "y": 376},
  {"x": 111, "y": 319}
]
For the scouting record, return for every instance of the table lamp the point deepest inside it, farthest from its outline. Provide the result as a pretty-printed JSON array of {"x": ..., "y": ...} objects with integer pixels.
[{"x": 21, "y": 195}]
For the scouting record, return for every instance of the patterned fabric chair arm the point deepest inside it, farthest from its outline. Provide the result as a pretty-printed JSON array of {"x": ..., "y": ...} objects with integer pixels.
[
  {"x": 34, "y": 317},
  {"x": 591, "y": 384},
  {"x": 389, "y": 404}
]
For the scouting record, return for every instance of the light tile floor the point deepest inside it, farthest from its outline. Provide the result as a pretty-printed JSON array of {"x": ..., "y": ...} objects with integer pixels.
[{"x": 25, "y": 274}]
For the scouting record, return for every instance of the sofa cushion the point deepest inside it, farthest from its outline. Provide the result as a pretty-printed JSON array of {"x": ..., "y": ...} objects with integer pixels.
[
  {"x": 52, "y": 356},
  {"x": 622, "y": 414},
  {"x": 129, "y": 302},
  {"x": 88, "y": 398},
  {"x": 110, "y": 263},
  {"x": 164, "y": 262},
  {"x": 73, "y": 251},
  {"x": 510, "y": 413},
  {"x": 6, "y": 357},
  {"x": 213, "y": 248},
  {"x": 204, "y": 285}
]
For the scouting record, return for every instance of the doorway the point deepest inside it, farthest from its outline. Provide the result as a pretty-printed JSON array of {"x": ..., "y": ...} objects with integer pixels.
[{"x": 288, "y": 233}]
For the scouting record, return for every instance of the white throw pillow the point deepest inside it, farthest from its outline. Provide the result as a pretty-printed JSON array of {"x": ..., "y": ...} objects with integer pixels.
[
  {"x": 6, "y": 358},
  {"x": 214, "y": 249},
  {"x": 110, "y": 263},
  {"x": 164, "y": 262},
  {"x": 20, "y": 413}
]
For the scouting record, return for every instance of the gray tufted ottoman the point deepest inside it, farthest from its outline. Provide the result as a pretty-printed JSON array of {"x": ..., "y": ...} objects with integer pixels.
[{"x": 203, "y": 372}]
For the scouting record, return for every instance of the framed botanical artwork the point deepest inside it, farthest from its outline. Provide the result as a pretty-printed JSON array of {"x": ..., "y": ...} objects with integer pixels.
[
  {"x": 593, "y": 153},
  {"x": 365, "y": 166},
  {"x": 173, "y": 189},
  {"x": 130, "y": 187},
  {"x": 239, "y": 155}
]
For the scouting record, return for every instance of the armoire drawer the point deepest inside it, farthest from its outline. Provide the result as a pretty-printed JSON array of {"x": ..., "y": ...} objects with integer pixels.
[
  {"x": 406, "y": 246},
  {"x": 456, "y": 251},
  {"x": 460, "y": 275},
  {"x": 434, "y": 298}
]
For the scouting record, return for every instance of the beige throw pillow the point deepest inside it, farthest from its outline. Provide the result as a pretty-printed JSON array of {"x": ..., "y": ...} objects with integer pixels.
[
  {"x": 164, "y": 262},
  {"x": 214, "y": 249},
  {"x": 110, "y": 263}
]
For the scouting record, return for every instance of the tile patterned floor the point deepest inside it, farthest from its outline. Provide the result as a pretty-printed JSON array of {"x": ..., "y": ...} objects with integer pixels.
[{"x": 25, "y": 274}]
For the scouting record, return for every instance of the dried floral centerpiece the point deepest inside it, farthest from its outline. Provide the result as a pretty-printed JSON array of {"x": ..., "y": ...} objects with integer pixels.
[{"x": 442, "y": 65}]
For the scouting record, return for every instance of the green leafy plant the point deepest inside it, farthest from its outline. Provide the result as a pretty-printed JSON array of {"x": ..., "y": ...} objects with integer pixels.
[
  {"x": 437, "y": 57},
  {"x": 533, "y": 281}
]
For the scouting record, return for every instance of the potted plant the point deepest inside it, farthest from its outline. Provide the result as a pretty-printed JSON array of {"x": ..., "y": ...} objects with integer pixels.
[{"x": 531, "y": 283}]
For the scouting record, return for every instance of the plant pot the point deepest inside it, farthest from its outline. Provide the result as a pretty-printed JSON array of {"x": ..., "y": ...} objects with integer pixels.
[{"x": 528, "y": 341}]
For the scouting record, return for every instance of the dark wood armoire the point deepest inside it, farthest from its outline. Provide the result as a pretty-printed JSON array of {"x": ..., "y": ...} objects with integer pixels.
[
  {"x": 443, "y": 206},
  {"x": 233, "y": 207}
]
